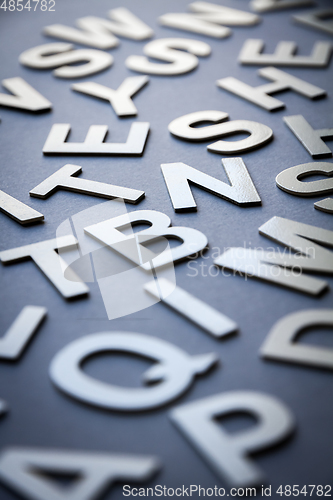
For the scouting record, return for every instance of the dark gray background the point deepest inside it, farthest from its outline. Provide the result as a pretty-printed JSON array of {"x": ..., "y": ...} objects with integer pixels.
[{"x": 43, "y": 417}]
